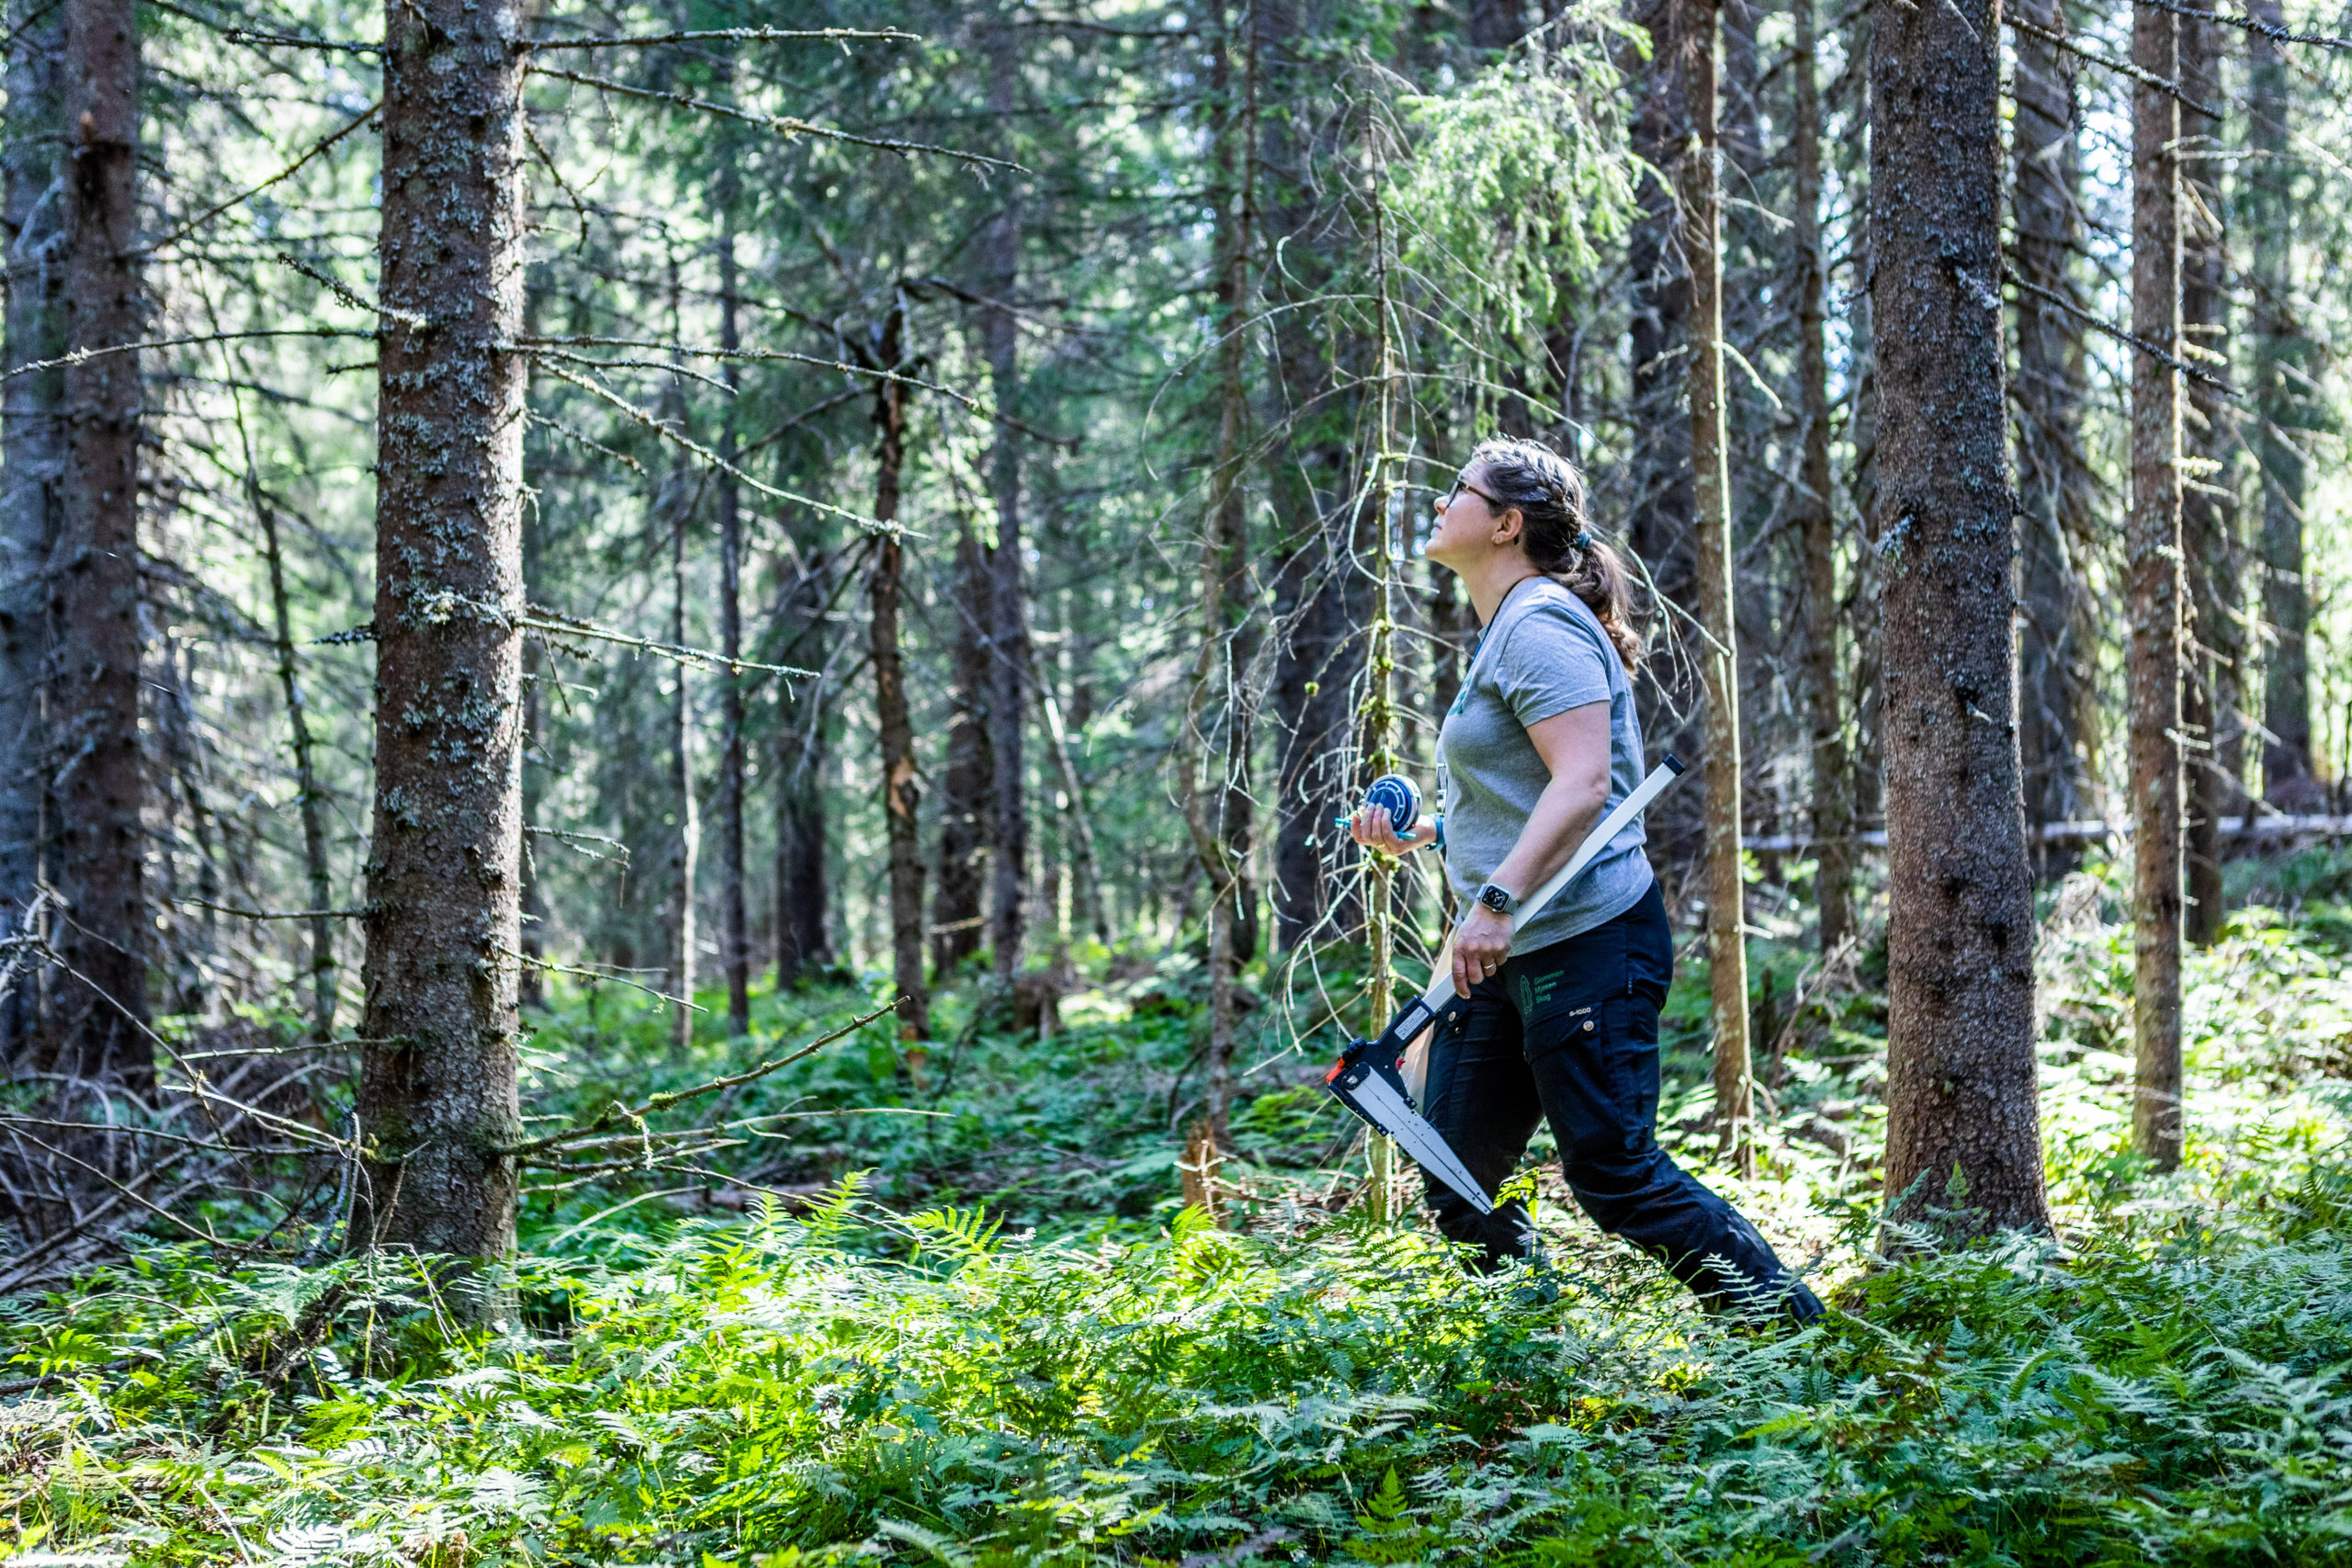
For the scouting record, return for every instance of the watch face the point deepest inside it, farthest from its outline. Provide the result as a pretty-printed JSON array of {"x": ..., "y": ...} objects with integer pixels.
[{"x": 1494, "y": 899}]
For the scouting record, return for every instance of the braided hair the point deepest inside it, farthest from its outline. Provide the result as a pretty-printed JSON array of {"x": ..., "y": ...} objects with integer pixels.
[{"x": 1557, "y": 533}]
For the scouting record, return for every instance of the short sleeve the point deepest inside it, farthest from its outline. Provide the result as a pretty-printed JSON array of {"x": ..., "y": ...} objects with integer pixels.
[{"x": 1552, "y": 663}]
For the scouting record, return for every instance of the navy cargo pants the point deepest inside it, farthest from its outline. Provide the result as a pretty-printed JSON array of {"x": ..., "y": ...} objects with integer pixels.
[{"x": 1569, "y": 1033}]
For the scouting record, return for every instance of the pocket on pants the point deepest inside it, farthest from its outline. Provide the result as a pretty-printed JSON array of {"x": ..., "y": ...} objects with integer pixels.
[{"x": 1629, "y": 1027}]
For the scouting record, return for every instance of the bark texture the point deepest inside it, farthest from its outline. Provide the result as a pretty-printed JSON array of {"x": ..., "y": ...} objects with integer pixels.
[
  {"x": 1008, "y": 619},
  {"x": 1221, "y": 803},
  {"x": 438, "y": 1101},
  {"x": 32, "y": 457},
  {"x": 1833, "y": 811},
  {"x": 685, "y": 806},
  {"x": 1318, "y": 600},
  {"x": 308, "y": 803},
  {"x": 965, "y": 814},
  {"x": 2152, "y": 550},
  {"x": 798, "y": 769},
  {"x": 2210, "y": 557},
  {"x": 2281, "y": 417},
  {"x": 1698, "y": 44},
  {"x": 901, "y": 790},
  {"x": 1963, "y": 1133},
  {"x": 734, "y": 923},
  {"x": 1659, "y": 521},
  {"x": 2059, "y": 633},
  {"x": 93, "y": 696}
]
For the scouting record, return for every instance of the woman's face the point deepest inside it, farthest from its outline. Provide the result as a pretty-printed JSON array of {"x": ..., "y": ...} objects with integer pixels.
[{"x": 1470, "y": 522}]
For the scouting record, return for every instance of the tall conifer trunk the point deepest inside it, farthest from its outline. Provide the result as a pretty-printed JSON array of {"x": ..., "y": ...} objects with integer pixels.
[
  {"x": 798, "y": 769},
  {"x": 686, "y": 821},
  {"x": 308, "y": 803},
  {"x": 734, "y": 922},
  {"x": 965, "y": 813},
  {"x": 437, "y": 1097},
  {"x": 2058, "y": 712},
  {"x": 1698, "y": 44},
  {"x": 93, "y": 698},
  {"x": 530, "y": 978},
  {"x": 2209, "y": 553},
  {"x": 900, "y": 792},
  {"x": 1833, "y": 820},
  {"x": 2152, "y": 548},
  {"x": 1963, "y": 1132},
  {"x": 1661, "y": 509},
  {"x": 1221, "y": 802},
  {"x": 32, "y": 461},
  {"x": 1008, "y": 620},
  {"x": 2281, "y": 417}
]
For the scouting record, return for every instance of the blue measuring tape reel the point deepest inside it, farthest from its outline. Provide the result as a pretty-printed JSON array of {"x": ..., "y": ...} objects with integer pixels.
[{"x": 1400, "y": 796}]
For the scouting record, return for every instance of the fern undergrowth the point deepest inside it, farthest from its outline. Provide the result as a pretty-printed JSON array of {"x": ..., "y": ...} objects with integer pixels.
[{"x": 886, "y": 1371}]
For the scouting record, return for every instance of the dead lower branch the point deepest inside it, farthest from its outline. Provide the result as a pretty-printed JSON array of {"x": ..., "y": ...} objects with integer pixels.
[
  {"x": 315, "y": 149},
  {"x": 595, "y": 387},
  {"x": 723, "y": 35},
  {"x": 782, "y": 125},
  {"x": 83, "y": 355},
  {"x": 618, "y": 1114}
]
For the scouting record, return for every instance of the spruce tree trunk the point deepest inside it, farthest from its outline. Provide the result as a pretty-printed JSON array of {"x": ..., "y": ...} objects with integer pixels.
[
  {"x": 2280, "y": 418},
  {"x": 437, "y": 1097},
  {"x": 1833, "y": 821},
  {"x": 1226, "y": 610},
  {"x": 798, "y": 780},
  {"x": 32, "y": 463},
  {"x": 1317, "y": 655},
  {"x": 1008, "y": 621},
  {"x": 1308, "y": 719},
  {"x": 965, "y": 813},
  {"x": 1964, "y": 1132},
  {"x": 1718, "y": 657},
  {"x": 686, "y": 838},
  {"x": 93, "y": 696},
  {"x": 2058, "y": 712},
  {"x": 308, "y": 803},
  {"x": 1376, "y": 716},
  {"x": 530, "y": 977},
  {"x": 1662, "y": 507},
  {"x": 735, "y": 935},
  {"x": 901, "y": 791},
  {"x": 2152, "y": 548},
  {"x": 2210, "y": 556}
]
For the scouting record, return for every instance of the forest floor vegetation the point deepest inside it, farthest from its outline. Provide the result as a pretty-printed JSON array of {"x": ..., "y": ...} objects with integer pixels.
[{"x": 952, "y": 1310}]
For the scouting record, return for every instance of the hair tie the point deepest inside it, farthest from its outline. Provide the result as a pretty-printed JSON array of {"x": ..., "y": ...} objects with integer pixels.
[{"x": 1584, "y": 539}]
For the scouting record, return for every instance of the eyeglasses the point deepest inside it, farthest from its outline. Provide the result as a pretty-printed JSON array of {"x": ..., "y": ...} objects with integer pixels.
[{"x": 1460, "y": 485}]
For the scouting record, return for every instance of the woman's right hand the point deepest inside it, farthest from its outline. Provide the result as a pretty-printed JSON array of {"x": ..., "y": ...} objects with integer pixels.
[{"x": 1371, "y": 828}]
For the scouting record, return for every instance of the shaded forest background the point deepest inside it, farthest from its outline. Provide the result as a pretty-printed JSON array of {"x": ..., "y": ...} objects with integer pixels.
[
  {"x": 673, "y": 682},
  {"x": 973, "y": 461}
]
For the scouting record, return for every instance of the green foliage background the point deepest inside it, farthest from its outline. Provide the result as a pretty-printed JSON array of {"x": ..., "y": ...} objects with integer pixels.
[{"x": 1073, "y": 1371}]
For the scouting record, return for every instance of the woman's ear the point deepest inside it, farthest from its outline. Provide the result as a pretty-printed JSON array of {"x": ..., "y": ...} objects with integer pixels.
[{"x": 1510, "y": 526}]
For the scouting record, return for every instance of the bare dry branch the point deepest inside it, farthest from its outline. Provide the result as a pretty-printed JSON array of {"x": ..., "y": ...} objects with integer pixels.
[
  {"x": 617, "y": 1114},
  {"x": 591, "y": 385},
  {"x": 722, "y": 35},
  {"x": 782, "y": 125},
  {"x": 316, "y": 148},
  {"x": 83, "y": 355}
]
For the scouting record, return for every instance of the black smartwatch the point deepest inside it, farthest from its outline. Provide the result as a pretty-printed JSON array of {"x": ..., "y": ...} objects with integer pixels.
[{"x": 1495, "y": 898}]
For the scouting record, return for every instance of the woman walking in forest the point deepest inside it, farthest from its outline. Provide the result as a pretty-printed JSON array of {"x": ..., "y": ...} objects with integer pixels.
[{"x": 1562, "y": 1019}]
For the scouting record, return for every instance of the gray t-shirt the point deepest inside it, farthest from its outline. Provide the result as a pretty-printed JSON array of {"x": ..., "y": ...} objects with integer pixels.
[{"x": 1544, "y": 653}]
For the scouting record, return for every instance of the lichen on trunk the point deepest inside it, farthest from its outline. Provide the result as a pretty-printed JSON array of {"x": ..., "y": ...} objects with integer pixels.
[
  {"x": 1964, "y": 1135},
  {"x": 437, "y": 1100}
]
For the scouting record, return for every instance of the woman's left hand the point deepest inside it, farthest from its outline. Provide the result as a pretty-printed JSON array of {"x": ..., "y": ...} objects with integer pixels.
[{"x": 1481, "y": 942}]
